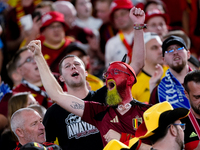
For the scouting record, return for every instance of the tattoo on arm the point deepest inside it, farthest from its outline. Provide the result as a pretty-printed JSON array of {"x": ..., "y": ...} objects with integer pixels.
[{"x": 76, "y": 105}]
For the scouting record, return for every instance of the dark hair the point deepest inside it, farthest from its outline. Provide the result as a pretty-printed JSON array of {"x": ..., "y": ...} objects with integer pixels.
[
  {"x": 191, "y": 76},
  {"x": 16, "y": 58},
  {"x": 67, "y": 56},
  {"x": 158, "y": 135}
]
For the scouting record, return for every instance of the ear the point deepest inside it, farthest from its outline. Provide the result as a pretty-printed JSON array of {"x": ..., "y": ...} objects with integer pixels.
[
  {"x": 86, "y": 73},
  {"x": 186, "y": 94},
  {"x": 188, "y": 53},
  {"x": 19, "y": 132},
  {"x": 130, "y": 80},
  {"x": 173, "y": 130},
  {"x": 20, "y": 71},
  {"x": 61, "y": 78}
]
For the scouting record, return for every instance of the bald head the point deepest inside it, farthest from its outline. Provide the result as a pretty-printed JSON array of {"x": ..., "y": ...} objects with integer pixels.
[{"x": 68, "y": 10}]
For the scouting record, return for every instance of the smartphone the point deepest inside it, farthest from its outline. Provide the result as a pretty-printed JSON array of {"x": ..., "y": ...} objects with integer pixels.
[{"x": 36, "y": 14}]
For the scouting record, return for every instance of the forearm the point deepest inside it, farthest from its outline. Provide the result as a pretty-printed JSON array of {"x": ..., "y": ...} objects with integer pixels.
[
  {"x": 49, "y": 82},
  {"x": 54, "y": 90},
  {"x": 138, "y": 54}
]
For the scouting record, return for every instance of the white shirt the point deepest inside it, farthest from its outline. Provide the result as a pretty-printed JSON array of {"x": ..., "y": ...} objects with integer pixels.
[{"x": 115, "y": 48}]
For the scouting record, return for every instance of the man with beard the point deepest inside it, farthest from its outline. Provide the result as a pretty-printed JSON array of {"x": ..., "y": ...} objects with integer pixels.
[
  {"x": 125, "y": 115},
  {"x": 176, "y": 54},
  {"x": 192, "y": 88}
]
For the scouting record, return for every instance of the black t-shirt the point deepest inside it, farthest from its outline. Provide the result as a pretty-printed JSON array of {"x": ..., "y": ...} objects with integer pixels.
[
  {"x": 71, "y": 131},
  {"x": 190, "y": 138}
]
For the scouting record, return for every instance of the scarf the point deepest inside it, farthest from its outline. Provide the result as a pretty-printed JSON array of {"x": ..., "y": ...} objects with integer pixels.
[{"x": 171, "y": 90}]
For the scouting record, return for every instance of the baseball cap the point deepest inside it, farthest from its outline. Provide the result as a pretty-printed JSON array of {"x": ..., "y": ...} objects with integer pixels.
[
  {"x": 156, "y": 12},
  {"x": 128, "y": 66},
  {"x": 150, "y": 35},
  {"x": 76, "y": 46},
  {"x": 181, "y": 34},
  {"x": 120, "y": 4},
  {"x": 50, "y": 17},
  {"x": 172, "y": 40},
  {"x": 158, "y": 117}
]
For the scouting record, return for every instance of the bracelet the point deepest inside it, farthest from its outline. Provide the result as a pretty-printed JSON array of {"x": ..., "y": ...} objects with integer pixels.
[{"x": 139, "y": 26}]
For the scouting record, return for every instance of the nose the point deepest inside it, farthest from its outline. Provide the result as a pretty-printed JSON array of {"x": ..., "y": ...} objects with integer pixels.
[
  {"x": 73, "y": 66},
  {"x": 41, "y": 126}
]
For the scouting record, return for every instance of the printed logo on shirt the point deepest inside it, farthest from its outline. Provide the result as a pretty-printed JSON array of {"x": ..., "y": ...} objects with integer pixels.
[
  {"x": 115, "y": 120},
  {"x": 136, "y": 122},
  {"x": 76, "y": 128},
  {"x": 193, "y": 134},
  {"x": 46, "y": 57}
]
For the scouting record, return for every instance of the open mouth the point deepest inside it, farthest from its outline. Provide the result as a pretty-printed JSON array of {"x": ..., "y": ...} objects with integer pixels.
[
  {"x": 41, "y": 134},
  {"x": 176, "y": 58},
  {"x": 111, "y": 84},
  {"x": 75, "y": 74}
]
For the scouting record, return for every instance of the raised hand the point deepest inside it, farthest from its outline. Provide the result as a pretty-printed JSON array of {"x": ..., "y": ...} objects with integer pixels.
[
  {"x": 137, "y": 15},
  {"x": 35, "y": 47},
  {"x": 156, "y": 77}
]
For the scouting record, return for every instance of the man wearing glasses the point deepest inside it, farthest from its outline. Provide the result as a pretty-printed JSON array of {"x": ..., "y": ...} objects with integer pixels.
[
  {"x": 26, "y": 66},
  {"x": 125, "y": 115},
  {"x": 175, "y": 55}
]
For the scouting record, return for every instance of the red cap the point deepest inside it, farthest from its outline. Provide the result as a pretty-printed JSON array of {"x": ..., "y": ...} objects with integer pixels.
[
  {"x": 50, "y": 17},
  {"x": 156, "y": 12},
  {"x": 120, "y": 4}
]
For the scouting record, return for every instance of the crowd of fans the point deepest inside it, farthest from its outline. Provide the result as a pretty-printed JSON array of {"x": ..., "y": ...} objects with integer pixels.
[{"x": 93, "y": 34}]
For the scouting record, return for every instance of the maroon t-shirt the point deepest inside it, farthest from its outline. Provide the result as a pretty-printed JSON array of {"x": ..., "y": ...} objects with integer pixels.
[{"x": 106, "y": 118}]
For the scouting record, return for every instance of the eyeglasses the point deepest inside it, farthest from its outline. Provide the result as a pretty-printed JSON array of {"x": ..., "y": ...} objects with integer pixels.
[
  {"x": 181, "y": 124},
  {"x": 113, "y": 72},
  {"x": 173, "y": 50},
  {"x": 28, "y": 60}
]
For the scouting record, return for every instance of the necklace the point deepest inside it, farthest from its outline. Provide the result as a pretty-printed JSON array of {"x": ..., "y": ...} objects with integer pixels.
[{"x": 126, "y": 106}]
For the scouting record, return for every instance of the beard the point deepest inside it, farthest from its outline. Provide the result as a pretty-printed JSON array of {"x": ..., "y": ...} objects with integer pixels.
[
  {"x": 113, "y": 98},
  {"x": 72, "y": 84},
  {"x": 179, "y": 141},
  {"x": 196, "y": 108},
  {"x": 179, "y": 67}
]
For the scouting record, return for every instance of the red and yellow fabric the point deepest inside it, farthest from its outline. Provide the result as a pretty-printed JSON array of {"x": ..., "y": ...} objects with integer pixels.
[
  {"x": 20, "y": 10},
  {"x": 94, "y": 82},
  {"x": 128, "y": 47}
]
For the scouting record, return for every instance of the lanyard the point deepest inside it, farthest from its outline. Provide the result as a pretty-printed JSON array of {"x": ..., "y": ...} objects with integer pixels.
[{"x": 128, "y": 47}]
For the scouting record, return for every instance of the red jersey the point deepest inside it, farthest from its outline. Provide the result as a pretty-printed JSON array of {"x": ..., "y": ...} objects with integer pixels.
[
  {"x": 53, "y": 56},
  {"x": 106, "y": 118}
]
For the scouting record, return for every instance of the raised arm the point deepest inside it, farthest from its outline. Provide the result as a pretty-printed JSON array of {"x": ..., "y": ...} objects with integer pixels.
[
  {"x": 138, "y": 55},
  {"x": 53, "y": 89}
]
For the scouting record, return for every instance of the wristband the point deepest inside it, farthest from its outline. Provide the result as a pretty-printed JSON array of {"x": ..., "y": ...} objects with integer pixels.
[{"x": 139, "y": 26}]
